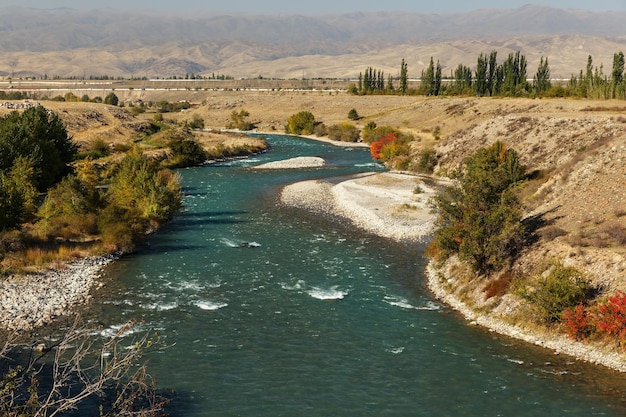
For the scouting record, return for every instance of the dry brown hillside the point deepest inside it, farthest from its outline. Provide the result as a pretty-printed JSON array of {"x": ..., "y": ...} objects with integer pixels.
[{"x": 578, "y": 150}]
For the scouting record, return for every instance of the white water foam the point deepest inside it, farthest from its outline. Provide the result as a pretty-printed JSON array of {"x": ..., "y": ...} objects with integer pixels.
[
  {"x": 237, "y": 244},
  {"x": 115, "y": 329},
  {"x": 165, "y": 306},
  {"x": 295, "y": 287},
  {"x": 399, "y": 302},
  {"x": 369, "y": 164},
  {"x": 404, "y": 303},
  {"x": 332, "y": 293},
  {"x": 209, "y": 305},
  {"x": 229, "y": 242}
]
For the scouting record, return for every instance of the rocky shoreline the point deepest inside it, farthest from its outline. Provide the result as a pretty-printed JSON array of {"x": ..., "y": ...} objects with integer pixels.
[
  {"x": 28, "y": 302},
  {"x": 560, "y": 344},
  {"x": 371, "y": 203}
]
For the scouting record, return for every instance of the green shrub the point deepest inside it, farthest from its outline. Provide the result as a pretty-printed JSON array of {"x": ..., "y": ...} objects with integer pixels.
[
  {"x": 480, "y": 218},
  {"x": 111, "y": 99},
  {"x": 139, "y": 186},
  {"x": 437, "y": 133},
  {"x": 137, "y": 110},
  {"x": 197, "y": 122},
  {"x": 41, "y": 136},
  {"x": 239, "y": 120},
  {"x": 562, "y": 288},
  {"x": 427, "y": 161},
  {"x": 344, "y": 132},
  {"x": 120, "y": 228},
  {"x": 186, "y": 151},
  {"x": 302, "y": 123},
  {"x": 67, "y": 211},
  {"x": 393, "y": 150},
  {"x": 320, "y": 130},
  {"x": 373, "y": 133},
  {"x": 353, "y": 115}
]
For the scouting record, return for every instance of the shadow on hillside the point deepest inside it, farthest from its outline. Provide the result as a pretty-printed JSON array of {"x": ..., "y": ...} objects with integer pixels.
[{"x": 533, "y": 224}]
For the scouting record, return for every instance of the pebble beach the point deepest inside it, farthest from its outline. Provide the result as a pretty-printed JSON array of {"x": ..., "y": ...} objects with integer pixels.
[
  {"x": 28, "y": 302},
  {"x": 386, "y": 203}
]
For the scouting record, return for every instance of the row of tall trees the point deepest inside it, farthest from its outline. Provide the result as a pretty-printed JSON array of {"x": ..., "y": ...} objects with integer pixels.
[
  {"x": 373, "y": 81},
  {"x": 509, "y": 78},
  {"x": 594, "y": 83}
]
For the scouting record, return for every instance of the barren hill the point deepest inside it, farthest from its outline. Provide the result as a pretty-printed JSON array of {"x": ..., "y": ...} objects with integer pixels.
[{"x": 66, "y": 42}]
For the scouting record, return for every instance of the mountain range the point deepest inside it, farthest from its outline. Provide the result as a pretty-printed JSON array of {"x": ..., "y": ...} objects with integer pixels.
[{"x": 78, "y": 43}]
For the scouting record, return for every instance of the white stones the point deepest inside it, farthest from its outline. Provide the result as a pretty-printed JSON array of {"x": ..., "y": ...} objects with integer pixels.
[
  {"x": 383, "y": 203},
  {"x": 295, "y": 163},
  {"x": 31, "y": 301}
]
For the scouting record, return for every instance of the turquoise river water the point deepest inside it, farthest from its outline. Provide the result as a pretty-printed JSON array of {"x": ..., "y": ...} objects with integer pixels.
[{"x": 317, "y": 318}]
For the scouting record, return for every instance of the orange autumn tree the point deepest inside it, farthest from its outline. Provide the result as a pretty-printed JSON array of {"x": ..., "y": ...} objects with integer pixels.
[{"x": 377, "y": 146}]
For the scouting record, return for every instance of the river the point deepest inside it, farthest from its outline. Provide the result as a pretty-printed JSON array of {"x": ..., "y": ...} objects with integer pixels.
[{"x": 316, "y": 318}]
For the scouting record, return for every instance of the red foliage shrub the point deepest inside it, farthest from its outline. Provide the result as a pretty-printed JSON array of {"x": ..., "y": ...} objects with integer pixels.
[
  {"x": 377, "y": 146},
  {"x": 578, "y": 323},
  {"x": 499, "y": 286},
  {"x": 611, "y": 317}
]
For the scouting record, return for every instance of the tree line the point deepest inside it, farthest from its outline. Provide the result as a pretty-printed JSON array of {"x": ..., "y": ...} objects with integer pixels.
[
  {"x": 62, "y": 199},
  {"x": 490, "y": 78}
]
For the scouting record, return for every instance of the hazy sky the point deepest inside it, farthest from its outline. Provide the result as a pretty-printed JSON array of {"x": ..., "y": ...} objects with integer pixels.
[{"x": 315, "y": 6}]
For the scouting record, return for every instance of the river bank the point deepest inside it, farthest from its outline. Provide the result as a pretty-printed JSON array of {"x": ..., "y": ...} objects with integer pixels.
[
  {"x": 28, "y": 302},
  {"x": 379, "y": 203}
]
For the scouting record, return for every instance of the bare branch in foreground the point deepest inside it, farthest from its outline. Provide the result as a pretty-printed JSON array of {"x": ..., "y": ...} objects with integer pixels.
[{"x": 81, "y": 371}]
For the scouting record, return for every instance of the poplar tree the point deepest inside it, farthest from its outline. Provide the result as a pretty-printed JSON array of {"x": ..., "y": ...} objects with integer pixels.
[
  {"x": 541, "y": 81},
  {"x": 390, "y": 87},
  {"x": 437, "y": 82},
  {"x": 617, "y": 75},
  {"x": 404, "y": 81},
  {"x": 462, "y": 79},
  {"x": 492, "y": 72},
  {"x": 428, "y": 79},
  {"x": 480, "y": 85}
]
